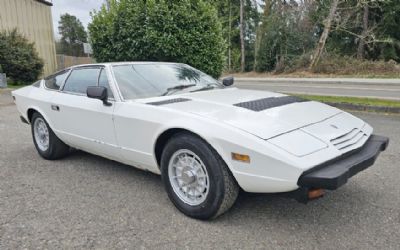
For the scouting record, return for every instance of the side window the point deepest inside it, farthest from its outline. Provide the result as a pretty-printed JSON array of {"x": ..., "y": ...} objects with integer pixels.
[
  {"x": 55, "y": 81},
  {"x": 80, "y": 79},
  {"x": 103, "y": 81}
]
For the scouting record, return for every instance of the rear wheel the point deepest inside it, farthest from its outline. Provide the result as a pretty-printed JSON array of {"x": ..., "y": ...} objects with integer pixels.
[
  {"x": 197, "y": 180},
  {"x": 48, "y": 145}
]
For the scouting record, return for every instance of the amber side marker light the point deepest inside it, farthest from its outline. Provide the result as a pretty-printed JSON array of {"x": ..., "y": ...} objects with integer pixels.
[
  {"x": 315, "y": 193},
  {"x": 240, "y": 157}
]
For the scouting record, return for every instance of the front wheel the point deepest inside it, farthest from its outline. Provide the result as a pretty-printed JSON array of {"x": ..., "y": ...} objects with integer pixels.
[
  {"x": 197, "y": 180},
  {"x": 48, "y": 145}
]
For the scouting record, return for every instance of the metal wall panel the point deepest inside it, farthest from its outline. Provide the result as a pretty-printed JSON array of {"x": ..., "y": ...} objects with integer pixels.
[{"x": 33, "y": 19}]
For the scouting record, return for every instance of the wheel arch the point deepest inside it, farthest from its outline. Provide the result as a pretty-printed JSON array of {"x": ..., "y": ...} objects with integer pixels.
[
  {"x": 164, "y": 137},
  {"x": 167, "y": 134},
  {"x": 31, "y": 110}
]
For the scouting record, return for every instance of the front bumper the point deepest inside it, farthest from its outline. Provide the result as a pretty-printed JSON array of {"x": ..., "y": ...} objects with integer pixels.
[{"x": 335, "y": 173}]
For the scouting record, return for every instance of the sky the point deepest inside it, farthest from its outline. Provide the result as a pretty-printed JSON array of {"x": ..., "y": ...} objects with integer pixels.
[{"x": 79, "y": 8}]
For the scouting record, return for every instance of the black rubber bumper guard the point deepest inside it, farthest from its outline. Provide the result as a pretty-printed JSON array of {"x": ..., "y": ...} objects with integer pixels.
[{"x": 335, "y": 173}]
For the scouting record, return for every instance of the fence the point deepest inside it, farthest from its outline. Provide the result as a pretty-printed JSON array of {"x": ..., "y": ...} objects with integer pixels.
[{"x": 64, "y": 61}]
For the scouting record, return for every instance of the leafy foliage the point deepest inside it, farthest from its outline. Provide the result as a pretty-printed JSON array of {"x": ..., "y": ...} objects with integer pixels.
[
  {"x": 19, "y": 58},
  {"x": 280, "y": 35},
  {"x": 186, "y": 31},
  {"x": 284, "y": 35},
  {"x": 73, "y": 35},
  {"x": 382, "y": 36},
  {"x": 229, "y": 16}
]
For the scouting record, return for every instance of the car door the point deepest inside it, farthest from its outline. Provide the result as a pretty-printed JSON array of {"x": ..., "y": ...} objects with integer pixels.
[{"x": 83, "y": 122}]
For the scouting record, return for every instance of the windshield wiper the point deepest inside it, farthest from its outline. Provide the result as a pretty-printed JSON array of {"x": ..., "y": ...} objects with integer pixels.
[
  {"x": 207, "y": 87},
  {"x": 178, "y": 87}
]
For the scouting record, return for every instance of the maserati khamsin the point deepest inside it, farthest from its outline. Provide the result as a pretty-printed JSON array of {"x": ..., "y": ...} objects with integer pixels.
[{"x": 206, "y": 138}]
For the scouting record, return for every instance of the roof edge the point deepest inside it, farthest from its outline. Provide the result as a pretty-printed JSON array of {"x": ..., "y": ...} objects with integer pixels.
[{"x": 45, "y": 2}]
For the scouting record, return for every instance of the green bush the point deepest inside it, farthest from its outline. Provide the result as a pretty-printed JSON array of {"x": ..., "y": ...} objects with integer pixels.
[
  {"x": 18, "y": 58},
  {"x": 186, "y": 31}
]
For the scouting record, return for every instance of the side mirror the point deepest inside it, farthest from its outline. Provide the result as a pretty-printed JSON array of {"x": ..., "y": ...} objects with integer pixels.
[
  {"x": 228, "y": 81},
  {"x": 97, "y": 92}
]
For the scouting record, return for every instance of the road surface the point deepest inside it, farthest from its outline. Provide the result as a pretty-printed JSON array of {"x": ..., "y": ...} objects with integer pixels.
[{"x": 373, "y": 88}]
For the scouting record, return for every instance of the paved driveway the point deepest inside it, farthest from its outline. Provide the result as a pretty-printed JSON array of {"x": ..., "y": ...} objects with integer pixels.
[{"x": 85, "y": 201}]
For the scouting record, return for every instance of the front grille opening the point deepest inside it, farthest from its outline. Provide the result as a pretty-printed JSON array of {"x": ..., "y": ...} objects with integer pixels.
[{"x": 349, "y": 139}]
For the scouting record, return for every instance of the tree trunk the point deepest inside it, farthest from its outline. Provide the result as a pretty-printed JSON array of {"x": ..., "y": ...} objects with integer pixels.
[
  {"x": 322, "y": 40},
  {"x": 361, "y": 44},
  {"x": 256, "y": 39},
  {"x": 242, "y": 64},
  {"x": 229, "y": 38},
  {"x": 261, "y": 31}
]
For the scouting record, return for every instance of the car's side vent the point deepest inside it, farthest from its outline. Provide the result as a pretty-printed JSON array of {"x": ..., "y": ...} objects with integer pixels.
[
  {"x": 271, "y": 102},
  {"x": 169, "y": 101},
  {"x": 352, "y": 138}
]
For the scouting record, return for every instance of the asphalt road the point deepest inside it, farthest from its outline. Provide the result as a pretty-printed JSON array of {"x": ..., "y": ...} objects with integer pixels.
[
  {"x": 363, "y": 88},
  {"x": 85, "y": 201}
]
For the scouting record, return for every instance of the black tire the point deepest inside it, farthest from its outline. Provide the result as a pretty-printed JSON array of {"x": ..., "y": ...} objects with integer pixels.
[
  {"x": 56, "y": 149},
  {"x": 223, "y": 189}
]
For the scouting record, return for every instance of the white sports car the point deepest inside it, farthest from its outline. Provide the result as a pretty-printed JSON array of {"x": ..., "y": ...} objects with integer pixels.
[{"x": 205, "y": 138}]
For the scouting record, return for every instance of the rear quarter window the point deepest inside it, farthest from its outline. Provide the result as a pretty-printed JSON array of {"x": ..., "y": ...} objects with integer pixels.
[
  {"x": 37, "y": 84},
  {"x": 55, "y": 81}
]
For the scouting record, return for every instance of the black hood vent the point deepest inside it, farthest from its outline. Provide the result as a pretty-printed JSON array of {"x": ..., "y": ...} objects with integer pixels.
[{"x": 271, "y": 102}]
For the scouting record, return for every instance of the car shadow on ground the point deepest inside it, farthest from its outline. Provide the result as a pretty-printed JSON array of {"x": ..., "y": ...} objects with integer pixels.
[{"x": 334, "y": 207}]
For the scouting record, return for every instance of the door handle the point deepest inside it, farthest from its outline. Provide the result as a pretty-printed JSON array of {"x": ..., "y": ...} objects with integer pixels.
[{"x": 55, "y": 107}]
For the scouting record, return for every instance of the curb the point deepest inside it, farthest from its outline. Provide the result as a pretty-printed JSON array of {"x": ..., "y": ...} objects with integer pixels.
[
  {"x": 366, "y": 108},
  {"x": 344, "y": 81}
]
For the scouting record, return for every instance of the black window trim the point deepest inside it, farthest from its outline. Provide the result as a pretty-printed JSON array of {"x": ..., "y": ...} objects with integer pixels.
[
  {"x": 101, "y": 67},
  {"x": 108, "y": 80}
]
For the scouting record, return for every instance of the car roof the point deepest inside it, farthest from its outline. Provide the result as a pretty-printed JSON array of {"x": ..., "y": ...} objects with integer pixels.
[
  {"x": 108, "y": 64},
  {"x": 119, "y": 63}
]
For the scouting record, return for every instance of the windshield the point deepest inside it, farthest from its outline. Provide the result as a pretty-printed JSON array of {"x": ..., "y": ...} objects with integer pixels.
[{"x": 149, "y": 80}]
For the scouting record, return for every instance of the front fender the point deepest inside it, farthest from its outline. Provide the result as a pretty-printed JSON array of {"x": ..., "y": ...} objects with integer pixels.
[{"x": 265, "y": 173}]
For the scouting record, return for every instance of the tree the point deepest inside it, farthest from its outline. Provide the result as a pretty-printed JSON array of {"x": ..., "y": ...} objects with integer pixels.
[
  {"x": 361, "y": 44},
  {"x": 242, "y": 45},
  {"x": 322, "y": 40},
  {"x": 73, "y": 35},
  {"x": 229, "y": 16},
  {"x": 284, "y": 35},
  {"x": 186, "y": 31},
  {"x": 19, "y": 58}
]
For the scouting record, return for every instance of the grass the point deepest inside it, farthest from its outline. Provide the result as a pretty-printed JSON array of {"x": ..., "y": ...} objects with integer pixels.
[
  {"x": 353, "y": 100},
  {"x": 12, "y": 87},
  {"x": 305, "y": 74},
  {"x": 15, "y": 86}
]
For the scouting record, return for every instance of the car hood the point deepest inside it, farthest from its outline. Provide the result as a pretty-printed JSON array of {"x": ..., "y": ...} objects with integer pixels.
[{"x": 267, "y": 123}]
